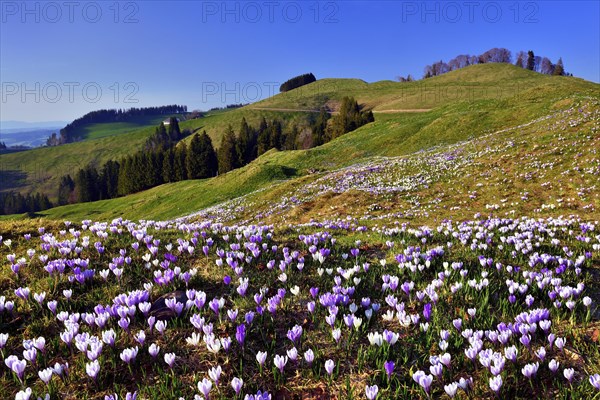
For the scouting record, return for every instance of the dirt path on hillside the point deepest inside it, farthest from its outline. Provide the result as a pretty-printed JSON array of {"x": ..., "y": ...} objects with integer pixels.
[
  {"x": 335, "y": 112},
  {"x": 283, "y": 109},
  {"x": 417, "y": 110}
]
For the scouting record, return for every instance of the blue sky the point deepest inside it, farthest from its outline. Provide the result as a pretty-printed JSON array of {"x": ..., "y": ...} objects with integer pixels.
[{"x": 59, "y": 61}]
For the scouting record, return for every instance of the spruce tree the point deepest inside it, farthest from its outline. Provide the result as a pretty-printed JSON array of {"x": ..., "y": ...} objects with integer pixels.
[
  {"x": 180, "y": 170},
  {"x": 210, "y": 164},
  {"x": 173, "y": 131},
  {"x": 161, "y": 139},
  {"x": 275, "y": 135},
  {"x": 319, "y": 128},
  {"x": 86, "y": 185},
  {"x": 530, "y": 60},
  {"x": 193, "y": 162},
  {"x": 125, "y": 186},
  {"x": 109, "y": 179},
  {"x": 65, "y": 189},
  {"x": 349, "y": 118},
  {"x": 168, "y": 166},
  {"x": 264, "y": 138},
  {"x": 228, "y": 152},
  {"x": 290, "y": 139},
  {"x": 559, "y": 68},
  {"x": 247, "y": 143}
]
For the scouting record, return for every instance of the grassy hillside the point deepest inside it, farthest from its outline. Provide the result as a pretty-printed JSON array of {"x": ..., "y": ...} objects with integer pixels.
[
  {"x": 392, "y": 136},
  {"x": 215, "y": 124},
  {"x": 179, "y": 198},
  {"x": 548, "y": 167},
  {"x": 40, "y": 169},
  {"x": 463, "y": 104},
  {"x": 473, "y": 83},
  {"x": 97, "y": 131}
]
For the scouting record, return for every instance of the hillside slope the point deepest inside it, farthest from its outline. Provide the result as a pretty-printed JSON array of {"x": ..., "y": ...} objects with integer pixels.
[
  {"x": 509, "y": 157},
  {"x": 39, "y": 170},
  {"x": 463, "y": 104},
  {"x": 473, "y": 83}
]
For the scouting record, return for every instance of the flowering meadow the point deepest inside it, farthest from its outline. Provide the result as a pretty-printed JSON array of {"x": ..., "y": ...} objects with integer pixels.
[
  {"x": 432, "y": 286},
  {"x": 549, "y": 166}
]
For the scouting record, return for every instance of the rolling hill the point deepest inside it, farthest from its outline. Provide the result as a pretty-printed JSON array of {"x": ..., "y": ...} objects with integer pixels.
[
  {"x": 410, "y": 117},
  {"x": 393, "y": 134}
]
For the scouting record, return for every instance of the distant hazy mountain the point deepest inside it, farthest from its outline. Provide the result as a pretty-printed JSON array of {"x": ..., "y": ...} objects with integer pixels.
[
  {"x": 6, "y": 125},
  {"x": 26, "y": 137},
  {"x": 30, "y": 134}
]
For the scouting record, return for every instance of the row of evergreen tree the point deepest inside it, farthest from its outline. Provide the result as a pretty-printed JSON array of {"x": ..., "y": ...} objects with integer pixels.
[
  {"x": 496, "y": 55},
  {"x": 159, "y": 162},
  {"x": 16, "y": 203},
  {"x": 237, "y": 151},
  {"x": 164, "y": 160},
  {"x": 166, "y": 136},
  {"x": 229, "y": 106},
  {"x": 70, "y": 133},
  {"x": 297, "y": 81}
]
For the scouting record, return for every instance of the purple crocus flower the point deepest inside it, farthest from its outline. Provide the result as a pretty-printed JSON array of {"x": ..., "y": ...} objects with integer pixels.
[
  {"x": 280, "y": 362},
  {"x": 236, "y": 384},
  {"x": 389, "y": 368},
  {"x": 92, "y": 369},
  {"x": 240, "y": 334},
  {"x": 261, "y": 357},
  {"x": 52, "y": 306},
  {"x": 23, "y": 394},
  {"x": 569, "y": 373},
  {"x": 314, "y": 291},
  {"x": 170, "y": 359},
  {"x": 529, "y": 370},
  {"x": 205, "y": 386},
  {"x": 496, "y": 383},
  {"x": 329, "y": 366},
  {"x": 457, "y": 323},
  {"x": 309, "y": 356},
  {"x": 437, "y": 370},
  {"x": 215, "y": 374},
  {"x": 124, "y": 323},
  {"x": 427, "y": 311},
  {"x": 3, "y": 339},
  {"x": 214, "y": 305},
  {"x": 16, "y": 365},
  {"x": 295, "y": 333},
  {"x": 292, "y": 354},
  {"x": 45, "y": 375},
  {"x": 161, "y": 326},
  {"x": 153, "y": 350},
  {"x": 451, "y": 389},
  {"x": 423, "y": 380},
  {"x": 371, "y": 392},
  {"x": 128, "y": 355}
]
